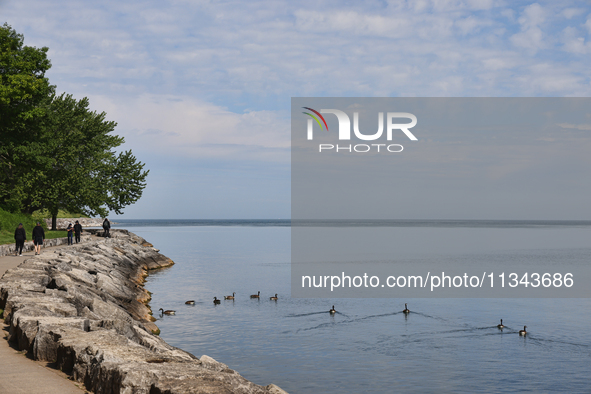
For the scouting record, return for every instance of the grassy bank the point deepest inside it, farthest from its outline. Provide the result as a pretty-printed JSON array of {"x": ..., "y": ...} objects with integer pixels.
[
  {"x": 44, "y": 213},
  {"x": 9, "y": 222}
]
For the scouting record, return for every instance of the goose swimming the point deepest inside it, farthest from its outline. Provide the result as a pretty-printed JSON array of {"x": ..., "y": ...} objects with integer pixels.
[{"x": 230, "y": 297}]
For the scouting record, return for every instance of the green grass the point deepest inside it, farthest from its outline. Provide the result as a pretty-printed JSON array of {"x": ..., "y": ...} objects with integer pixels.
[
  {"x": 9, "y": 222},
  {"x": 44, "y": 213}
]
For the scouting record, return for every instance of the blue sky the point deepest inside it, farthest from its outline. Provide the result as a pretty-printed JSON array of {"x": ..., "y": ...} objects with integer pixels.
[{"x": 201, "y": 89}]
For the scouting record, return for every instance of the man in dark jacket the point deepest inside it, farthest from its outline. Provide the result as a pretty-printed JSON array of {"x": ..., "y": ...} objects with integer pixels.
[
  {"x": 20, "y": 236},
  {"x": 107, "y": 227},
  {"x": 38, "y": 237},
  {"x": 77, "y": 231}
]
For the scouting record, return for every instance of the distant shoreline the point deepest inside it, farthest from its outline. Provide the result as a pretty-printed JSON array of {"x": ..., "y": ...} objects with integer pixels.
[
  {"x": 472, "y": 223},
  {"x": 62, "y": 223}
]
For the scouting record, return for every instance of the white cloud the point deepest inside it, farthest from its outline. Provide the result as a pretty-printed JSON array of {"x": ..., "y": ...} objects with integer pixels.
[
  {"x": 508, "y": 13},
  {"x": 570, "y": 13},
  {"x": 172, "y": 125},
  {"x": 574, "y": 42},
  {"x": 552, "y": 78},
  {"x": 471, "y": 24},
  {"x": 531, "y": 36},
  {"x": 575, "y": 126},
  {"x": 498, "y": 63},
  {"x": 533, "y": 16},
  {"x": 351, "y": 22}
]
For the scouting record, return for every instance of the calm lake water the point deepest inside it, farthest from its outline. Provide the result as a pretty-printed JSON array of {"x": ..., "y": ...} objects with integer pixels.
[{"x": 369, "y": 346}]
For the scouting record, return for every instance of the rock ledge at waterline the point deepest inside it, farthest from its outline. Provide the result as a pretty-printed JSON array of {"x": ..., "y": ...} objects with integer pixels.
[{"x": 83, "y": 307}]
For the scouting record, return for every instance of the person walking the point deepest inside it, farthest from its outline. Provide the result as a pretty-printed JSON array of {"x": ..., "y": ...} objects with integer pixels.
[
  {"x": 20, "y": 236},
  {"x": 38, "y": 237},
  {"x": 77, "y": 231},
  {"x": 107, "y": 227},
  {"x": 70, "y": 230}
]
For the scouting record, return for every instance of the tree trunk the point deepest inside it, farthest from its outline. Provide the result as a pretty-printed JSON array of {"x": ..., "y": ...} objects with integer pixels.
[{"x": 54, "y": 222}]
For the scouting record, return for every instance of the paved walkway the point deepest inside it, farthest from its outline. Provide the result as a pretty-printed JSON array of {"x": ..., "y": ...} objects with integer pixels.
[{"x": 19, "y": 374}]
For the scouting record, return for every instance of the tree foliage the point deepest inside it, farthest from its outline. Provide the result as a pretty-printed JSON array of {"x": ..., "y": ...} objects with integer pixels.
[
  {"x": 55, "y": 152},
  {"x": 23, "y": 87},
  {"x": 22, "y": 79}
]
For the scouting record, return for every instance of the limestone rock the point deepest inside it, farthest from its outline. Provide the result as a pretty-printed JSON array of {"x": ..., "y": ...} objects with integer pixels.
[{"x": 83, "y": 308}]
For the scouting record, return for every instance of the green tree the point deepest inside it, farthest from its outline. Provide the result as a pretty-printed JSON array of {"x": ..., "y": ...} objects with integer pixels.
[
  {"x": 54, "y": 152},
  {"x": 23, "y": 87},
  {"x": 74, "y": 165}
]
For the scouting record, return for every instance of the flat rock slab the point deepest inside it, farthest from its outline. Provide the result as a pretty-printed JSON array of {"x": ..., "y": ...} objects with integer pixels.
[{"x": 83, "y": 308}]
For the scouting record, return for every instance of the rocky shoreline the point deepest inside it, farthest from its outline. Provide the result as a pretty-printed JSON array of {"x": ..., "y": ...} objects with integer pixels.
[{"x": 85, "y": 309}]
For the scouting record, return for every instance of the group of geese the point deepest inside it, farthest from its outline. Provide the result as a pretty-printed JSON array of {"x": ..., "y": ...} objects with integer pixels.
[
  {"x": 231, "y": 297},
  {"x": 332, "y": 311},
  {"x": 216, "y": 302}
]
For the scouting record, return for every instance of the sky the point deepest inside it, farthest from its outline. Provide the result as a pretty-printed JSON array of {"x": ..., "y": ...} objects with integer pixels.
[
  {"x": 475, "y": 157},
  {"x": 201, "y": 90}
]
